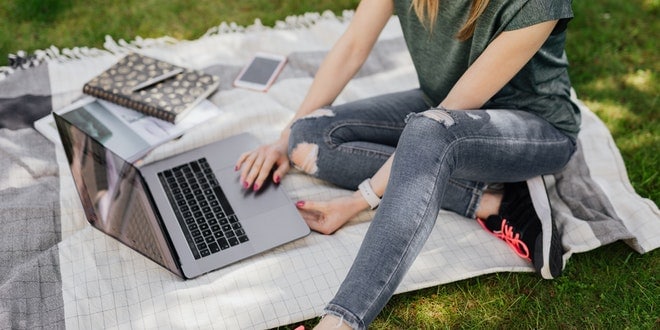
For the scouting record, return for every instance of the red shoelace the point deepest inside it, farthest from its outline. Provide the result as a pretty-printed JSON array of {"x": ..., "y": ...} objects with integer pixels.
[{"x": 510, "y": 237}]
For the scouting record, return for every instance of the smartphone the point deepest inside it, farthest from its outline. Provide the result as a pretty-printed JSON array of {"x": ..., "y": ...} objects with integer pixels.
[{"x": 260, "y": 73}]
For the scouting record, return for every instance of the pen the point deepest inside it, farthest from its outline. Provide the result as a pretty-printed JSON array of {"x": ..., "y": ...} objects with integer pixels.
[{"x": 157, "y": 79}]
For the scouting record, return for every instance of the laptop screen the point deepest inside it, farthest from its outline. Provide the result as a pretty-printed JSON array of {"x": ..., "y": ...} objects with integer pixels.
[{"x": 112, "y": 191}]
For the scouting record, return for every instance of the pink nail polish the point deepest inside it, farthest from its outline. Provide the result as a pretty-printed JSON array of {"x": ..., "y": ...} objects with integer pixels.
[
  {"x": 300, "y": 203},
  {"x": 246, "y": 185},
  {"x": 255, "y": 187},
  {"x": 277, "y": 179}
]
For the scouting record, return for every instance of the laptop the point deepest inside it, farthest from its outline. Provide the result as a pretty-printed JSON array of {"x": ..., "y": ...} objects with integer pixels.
[{"x": 188, "y": 213}]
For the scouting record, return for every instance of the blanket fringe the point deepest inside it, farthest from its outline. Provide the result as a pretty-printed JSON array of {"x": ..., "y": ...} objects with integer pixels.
[{"x": 21, "y": 60}]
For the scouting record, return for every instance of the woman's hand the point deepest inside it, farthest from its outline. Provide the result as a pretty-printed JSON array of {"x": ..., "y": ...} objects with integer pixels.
[
  {"x": 257, "y": 164},
  {"x": 326, "y": 217},
  {"x": 339, "y": 66}
]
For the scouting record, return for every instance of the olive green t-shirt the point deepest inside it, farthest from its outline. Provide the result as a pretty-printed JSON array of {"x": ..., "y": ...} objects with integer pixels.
[{"x": 542, "y": 86}]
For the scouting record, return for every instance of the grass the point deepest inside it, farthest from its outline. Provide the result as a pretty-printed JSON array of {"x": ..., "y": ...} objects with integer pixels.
[
  {"x": 36, "y": 24},
  {"x": 613, "y": 49}
]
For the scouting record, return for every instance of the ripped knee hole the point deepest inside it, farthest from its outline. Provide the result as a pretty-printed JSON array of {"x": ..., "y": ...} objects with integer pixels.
[
  {"x": 323, "y": 112},
  {"x": 305, "y": 156},
  {"x": 441, "y": 116}
]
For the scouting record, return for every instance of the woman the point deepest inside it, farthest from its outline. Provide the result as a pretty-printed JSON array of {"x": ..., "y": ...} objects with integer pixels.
[{"x": 493, "y": 106}]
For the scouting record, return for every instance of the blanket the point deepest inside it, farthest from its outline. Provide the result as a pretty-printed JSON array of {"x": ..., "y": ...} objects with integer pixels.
[{"x": 59, "y": 272}]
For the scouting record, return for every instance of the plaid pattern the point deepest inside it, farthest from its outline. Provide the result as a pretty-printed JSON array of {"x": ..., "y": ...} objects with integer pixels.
[{"x": 59, "y": 272}]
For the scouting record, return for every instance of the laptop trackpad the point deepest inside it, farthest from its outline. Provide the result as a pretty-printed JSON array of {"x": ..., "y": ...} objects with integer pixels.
[{"x": 245, "y": 202}]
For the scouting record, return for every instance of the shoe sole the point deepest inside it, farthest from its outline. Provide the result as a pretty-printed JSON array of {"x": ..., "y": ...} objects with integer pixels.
[{"x": 551, "y": 261}]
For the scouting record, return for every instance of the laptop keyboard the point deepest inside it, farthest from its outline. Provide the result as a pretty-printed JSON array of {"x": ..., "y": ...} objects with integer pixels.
[{"x": 208, "y": 221}]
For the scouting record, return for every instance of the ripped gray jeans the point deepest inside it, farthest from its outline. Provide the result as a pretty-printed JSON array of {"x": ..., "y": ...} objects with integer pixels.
[
  {"x": 348, "y": 143},
  {"x": 443, "y": 159}
]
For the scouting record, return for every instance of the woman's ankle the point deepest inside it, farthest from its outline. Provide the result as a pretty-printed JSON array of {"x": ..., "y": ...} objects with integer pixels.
[
  {"x": 332, "y": 322},
  {"x": 490, "y": 204}
]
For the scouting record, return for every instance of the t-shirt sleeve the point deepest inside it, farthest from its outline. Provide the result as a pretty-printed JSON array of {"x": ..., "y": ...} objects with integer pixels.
[{"x": 539, "y": 11}]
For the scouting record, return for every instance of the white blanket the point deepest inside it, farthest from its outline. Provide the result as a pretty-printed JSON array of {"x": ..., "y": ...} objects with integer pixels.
[{"x": 107, "y": 285}]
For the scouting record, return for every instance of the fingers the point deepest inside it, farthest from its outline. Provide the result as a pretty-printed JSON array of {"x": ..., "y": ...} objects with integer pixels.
[
  {"x": 281, "y": 171},
  {"x": 266, "y": 167},
  {"x": 241, "y": 160},
  {"x": 246, "y": 159},
  {"x": 257, "y": 165},
  {"x": 250, "y": 174}
]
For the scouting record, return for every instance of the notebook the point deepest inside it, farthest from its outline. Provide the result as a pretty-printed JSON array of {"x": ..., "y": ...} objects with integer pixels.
[
  {"x": 140, "y": 133},
  {"x": 152, "y": 86},
  {"x": 188, "y": 213}
]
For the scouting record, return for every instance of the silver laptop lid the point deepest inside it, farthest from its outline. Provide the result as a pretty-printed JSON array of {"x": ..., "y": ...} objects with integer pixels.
[{"x": 112, "y": 192}]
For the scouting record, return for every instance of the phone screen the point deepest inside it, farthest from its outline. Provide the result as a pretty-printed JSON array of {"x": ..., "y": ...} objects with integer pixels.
[{"x": 260, "y": 71}]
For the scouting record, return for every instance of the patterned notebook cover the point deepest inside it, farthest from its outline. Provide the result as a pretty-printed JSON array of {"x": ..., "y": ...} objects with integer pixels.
[{"x": 174, "y": 91}]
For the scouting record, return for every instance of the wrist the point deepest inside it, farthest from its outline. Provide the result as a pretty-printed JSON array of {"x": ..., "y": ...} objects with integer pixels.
[
  {"x": 283, "y": 142},
  {"x": 284, "y": 135}
]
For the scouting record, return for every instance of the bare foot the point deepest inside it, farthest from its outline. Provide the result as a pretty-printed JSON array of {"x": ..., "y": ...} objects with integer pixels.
[{"x": 326, "y": 217}]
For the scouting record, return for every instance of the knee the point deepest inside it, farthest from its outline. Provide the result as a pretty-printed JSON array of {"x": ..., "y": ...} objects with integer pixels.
[
  {"x": 437, "y": 123},
  {"x": 428, "y": 132},
  {"x": 318, "y": 113},
  {"x": 306, "y": 134},
  {"x": 441, "y": 116},
  {"x": 304, "y": 156},
  {"x": 423, "y": 123}
]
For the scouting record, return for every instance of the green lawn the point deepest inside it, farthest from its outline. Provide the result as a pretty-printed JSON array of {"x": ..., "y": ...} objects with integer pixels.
[{"x": 613, "y": 49}]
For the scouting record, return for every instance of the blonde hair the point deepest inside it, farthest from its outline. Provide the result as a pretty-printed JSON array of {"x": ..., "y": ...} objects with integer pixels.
[{"x": 427, "y": 12}]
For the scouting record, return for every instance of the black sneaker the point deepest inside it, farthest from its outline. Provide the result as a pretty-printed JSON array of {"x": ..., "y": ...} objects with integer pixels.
[{"x": 523, "y": 219}]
